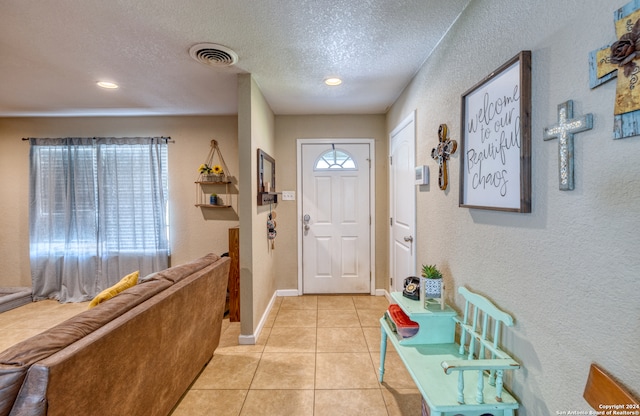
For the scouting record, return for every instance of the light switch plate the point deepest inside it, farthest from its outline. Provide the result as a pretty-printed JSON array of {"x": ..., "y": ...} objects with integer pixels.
[
  {"x": 288, "y": 195},
  {"x": 422, "y": 175}
]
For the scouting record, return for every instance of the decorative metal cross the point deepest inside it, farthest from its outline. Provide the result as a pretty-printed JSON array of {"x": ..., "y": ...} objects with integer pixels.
[
  {"x": 442, "y": 153},
  {"x": 564, "y": 131},
  {"x": 621, "y": 60}
]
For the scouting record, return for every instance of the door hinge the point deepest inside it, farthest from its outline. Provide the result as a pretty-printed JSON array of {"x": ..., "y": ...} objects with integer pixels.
[
  {"x": 391, "y": 281},
  {"x": 391, "y": 160},
  {"x": 391, "y": 222}
]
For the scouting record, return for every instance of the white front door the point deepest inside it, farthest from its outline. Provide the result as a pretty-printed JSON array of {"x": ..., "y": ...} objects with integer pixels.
[
  {"x": 336, "y": 217},
  {"x": 402, "y": 203}
]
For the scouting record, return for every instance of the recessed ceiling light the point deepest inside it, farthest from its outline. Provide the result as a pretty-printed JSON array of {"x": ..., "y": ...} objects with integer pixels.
[
  {"x": 107, "y": 85},
  {"x": 333, "y": 81}
]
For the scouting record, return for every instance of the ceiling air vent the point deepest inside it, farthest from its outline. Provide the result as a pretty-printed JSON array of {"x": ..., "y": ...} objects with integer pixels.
[{"x": 213, "y": 55}]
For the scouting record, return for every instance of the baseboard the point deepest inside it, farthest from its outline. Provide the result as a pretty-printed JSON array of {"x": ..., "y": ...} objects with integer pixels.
[
  {"x": 253, "y": 338},
  {"x": 246, "y": 340},
  {"x": 288, "y": 292}
]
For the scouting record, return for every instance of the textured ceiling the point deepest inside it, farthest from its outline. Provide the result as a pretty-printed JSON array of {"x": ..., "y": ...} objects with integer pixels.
[{"x": 53, "y": 52}]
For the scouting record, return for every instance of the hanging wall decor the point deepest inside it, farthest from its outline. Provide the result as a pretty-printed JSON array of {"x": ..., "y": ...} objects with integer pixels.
[
  {"x": 213, "y": 180},
  {"x": 621, "y": 59},
  {"x": 446, "y": 147},
  {"x": 214, "y": 169},
  {"x": 495, "y": 160},
  {"x": 565, "y": 129},
  {"x": 271, "y": 228}
]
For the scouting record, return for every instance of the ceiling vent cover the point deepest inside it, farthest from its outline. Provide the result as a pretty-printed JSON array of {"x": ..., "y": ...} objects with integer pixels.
[{"x": 213, "y": 55}]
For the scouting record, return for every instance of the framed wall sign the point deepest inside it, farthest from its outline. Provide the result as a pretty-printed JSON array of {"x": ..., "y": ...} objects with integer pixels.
[{"x": 495, "y": 166}]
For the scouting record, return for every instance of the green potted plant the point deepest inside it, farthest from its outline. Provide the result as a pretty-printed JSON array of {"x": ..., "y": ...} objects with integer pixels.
[{"x": 433, "y": 281}]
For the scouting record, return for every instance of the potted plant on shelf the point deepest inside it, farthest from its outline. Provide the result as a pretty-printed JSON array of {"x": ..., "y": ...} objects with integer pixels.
[
  {"x": 205, "y": 171},
  {"x": 432, "y": 281}
]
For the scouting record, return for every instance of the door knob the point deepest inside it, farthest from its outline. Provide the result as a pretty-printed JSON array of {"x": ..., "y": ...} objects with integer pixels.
[
  {"x": 306, "y": 220},
  {"x": 408, "y": 239}
]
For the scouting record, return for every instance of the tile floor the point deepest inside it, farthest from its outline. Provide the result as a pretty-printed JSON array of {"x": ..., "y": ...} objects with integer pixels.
[{"x": 317, "y": 356}]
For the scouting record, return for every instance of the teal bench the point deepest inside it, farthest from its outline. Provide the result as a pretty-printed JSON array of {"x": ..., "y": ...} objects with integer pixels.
[{"x": 465, "y": 378}]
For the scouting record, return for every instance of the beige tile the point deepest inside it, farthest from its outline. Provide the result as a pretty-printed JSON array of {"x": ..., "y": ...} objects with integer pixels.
[
  {"x": 335, "y": 302},
  {"x": 285, "y": 339},
  {"x": 371, "y": 302},
  {"x": 372, "y": 335},
  {"x": 263, "y": 337},
  {"x": 268, "y": 323},
  {"x": 299, "y": 302},
  {"x": 285, "y": 371},
  {"x": 370, "y": 317},
  {"x": 225, "y": 325},
  {"x": 345, "y": 371},
  {"x": 296, "y": 318},
  {"x": 277, "y": 302},
  {"x": 338, "y": 318},
  {"x": 228, "y": 371},
  {"x": 211, "y": 402},
  {"x": 396, "y": 375},
  {"x": 341, "y": 340},
  {"x": 402, "y": 402},
  {"x": 278, "y": 403},
  {"x": 349, "y": 402}
]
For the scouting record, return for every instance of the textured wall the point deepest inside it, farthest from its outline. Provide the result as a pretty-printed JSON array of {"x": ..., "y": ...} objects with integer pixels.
[
  {"x": 288, "y": 130},
  {"x": 191, "y": 235},
  {"x": 568, "y": 271}
]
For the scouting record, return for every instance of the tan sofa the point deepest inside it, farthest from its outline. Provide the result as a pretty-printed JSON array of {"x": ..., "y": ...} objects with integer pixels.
[{"x": 135, "y": 354}]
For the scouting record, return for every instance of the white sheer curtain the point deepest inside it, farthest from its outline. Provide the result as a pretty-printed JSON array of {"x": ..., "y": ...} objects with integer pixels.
[{"x": 97, "y": 211}]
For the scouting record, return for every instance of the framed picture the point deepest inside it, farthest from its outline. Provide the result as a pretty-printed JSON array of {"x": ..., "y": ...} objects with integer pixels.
[{"x": 495, "y": 166}]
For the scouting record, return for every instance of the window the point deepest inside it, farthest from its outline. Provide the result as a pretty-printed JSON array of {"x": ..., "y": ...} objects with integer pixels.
[
  {"x": 335, "y": 159},
  {"x": 98, "y": 211}
]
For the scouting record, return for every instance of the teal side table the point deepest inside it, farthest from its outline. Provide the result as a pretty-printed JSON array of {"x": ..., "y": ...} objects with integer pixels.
[{"x": 436, "y": 325}]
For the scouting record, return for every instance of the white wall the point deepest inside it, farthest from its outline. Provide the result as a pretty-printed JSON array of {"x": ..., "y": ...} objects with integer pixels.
[
  {"x": 191, "y": 234},
  {"x": 568, "y": 271}
]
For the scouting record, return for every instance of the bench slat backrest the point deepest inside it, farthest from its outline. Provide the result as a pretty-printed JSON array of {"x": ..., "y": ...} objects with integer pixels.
[{"x": 475, "y": 305}]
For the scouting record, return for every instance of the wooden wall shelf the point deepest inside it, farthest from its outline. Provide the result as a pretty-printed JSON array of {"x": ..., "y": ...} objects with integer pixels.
[
  {"x": 212, "y": 206},
  {"x": 208, "y": 184},
  {"x": 214, "y": 183}
]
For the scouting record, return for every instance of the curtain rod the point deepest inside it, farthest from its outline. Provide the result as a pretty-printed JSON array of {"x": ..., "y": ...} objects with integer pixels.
[{"x": 166, "y": 139}]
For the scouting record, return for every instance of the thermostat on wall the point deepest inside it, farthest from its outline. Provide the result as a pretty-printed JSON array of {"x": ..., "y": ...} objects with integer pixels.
[{"x": 422, "y": 175}]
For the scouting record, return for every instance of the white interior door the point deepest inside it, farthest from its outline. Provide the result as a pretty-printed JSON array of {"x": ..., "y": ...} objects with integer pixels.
[
  {"x": 336, "y": 218},
  {"x": 402, "y": 204}
]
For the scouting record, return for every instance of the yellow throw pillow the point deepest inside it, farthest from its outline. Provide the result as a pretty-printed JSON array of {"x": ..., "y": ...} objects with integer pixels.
[{"x": 128, "y": 281}]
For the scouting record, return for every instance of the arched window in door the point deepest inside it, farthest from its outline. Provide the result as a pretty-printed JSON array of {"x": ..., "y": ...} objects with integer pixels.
[{"x": 335, "y": 159}]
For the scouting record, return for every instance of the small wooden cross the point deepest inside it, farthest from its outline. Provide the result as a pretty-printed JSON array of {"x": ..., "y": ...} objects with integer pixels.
[
  {"x": 564, "y": 131},
  {"x": 442, "y": 153}
]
